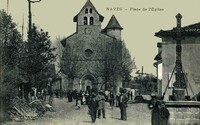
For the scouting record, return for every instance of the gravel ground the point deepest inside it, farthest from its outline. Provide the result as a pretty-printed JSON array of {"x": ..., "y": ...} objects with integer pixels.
[{"x": 67, "y": 114}]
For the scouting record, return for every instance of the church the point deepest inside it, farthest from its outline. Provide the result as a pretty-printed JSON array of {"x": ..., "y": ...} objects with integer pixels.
[{"x": 90, "y": 52}]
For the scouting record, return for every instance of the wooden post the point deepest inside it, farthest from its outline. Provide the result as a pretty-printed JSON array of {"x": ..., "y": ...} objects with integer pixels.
[{"x": 1, "y": 74}]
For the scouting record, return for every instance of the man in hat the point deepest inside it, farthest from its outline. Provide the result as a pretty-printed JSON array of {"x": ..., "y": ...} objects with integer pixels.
[
  {"x": 93, "y": 105},
  {"x": 101, "y": 104},
  {"x": 123, "y": 104},
  {"x": 160, "y": 114}
]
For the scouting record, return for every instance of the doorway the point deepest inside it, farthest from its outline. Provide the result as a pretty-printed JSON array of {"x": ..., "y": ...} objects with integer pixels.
[{"x": 88, "y": 82}]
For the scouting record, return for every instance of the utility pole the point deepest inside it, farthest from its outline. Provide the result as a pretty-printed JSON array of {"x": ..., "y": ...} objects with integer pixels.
[
  {"x": 7, "y": 6},
  {"x": 29, "y": 40},
  {"x": 23, "y": 28},
  {"x": 30, "y": 17},
  {"x": 2, "y": 112},
  {"x": 141, "y": 75}
]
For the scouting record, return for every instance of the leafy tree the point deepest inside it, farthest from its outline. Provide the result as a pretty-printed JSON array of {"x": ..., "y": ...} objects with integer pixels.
[
  {"x": 37, "y": 59},
  {"x": 59, "y": 52},
  {"x": 148, "y": 83},
  {"x": 118, "y": 62},
  {"x": 70, "y": 64},
  {"x": 127, "y": 65},
  {"x": 11, "y": 48}
]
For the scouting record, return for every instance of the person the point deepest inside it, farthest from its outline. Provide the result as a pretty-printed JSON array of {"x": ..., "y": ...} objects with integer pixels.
[
  {"x": 112, "y": 99},
  {"x": 39, "y": 96},
  {"x": 83, "y": 98},
  {"x": 106, "y": 95},
  {"x": 74, "y": 94},
  {"x": 69, "y": 95},
  {"x": 86, "y": 97},
  {"x": 123, "y": 104},
  {"x": 79, "y": 99},
  {"x": 101, "y": 104},
  {"x": 45, "y": 94},
  {"x": 93, "y": 105},
  {"x": 131, "y": 95},
  {"x": 160, "y": 114},
  {"x": 117, "y": 99}
]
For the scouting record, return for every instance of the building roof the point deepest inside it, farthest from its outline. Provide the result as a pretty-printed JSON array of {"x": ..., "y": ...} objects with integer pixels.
[
  {"x": 190, "y": 30},
  {"x": 113, "y": 24},
  {"x": 89, "y": 3},
  {"x": 158, "y": 56}
]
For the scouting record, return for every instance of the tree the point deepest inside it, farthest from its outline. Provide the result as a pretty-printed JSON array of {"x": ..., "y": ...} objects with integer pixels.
[
  {"x": 127, "y": 65},
  {"x": 11, "y": 48},
  {"x": 59, "y": 52},
  {"x": 37, "y": 59},
  {"x": 117, "y": 62},
  {"x": 70, "y": 62},
  {"x": 147, "y": 82}
]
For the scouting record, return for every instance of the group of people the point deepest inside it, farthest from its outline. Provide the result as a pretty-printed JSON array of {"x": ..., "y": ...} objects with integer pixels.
[
  {"x": 96, "y": 105},
  {"x": 97, "y": 101},
  {"x": 81, "y": 97}
]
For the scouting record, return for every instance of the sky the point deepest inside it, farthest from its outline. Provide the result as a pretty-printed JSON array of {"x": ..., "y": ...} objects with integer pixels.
[{"x": 139, "y": 20}]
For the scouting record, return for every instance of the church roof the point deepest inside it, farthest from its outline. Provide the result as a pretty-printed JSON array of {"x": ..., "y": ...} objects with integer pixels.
[
  {"x": 89, "y": 3},
  {"x": 113, "y": 24},
  {"x": 190, "y": 30}
]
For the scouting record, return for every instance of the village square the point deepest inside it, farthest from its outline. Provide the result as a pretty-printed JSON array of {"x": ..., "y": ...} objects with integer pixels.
[{"x": 87, "y": 76}]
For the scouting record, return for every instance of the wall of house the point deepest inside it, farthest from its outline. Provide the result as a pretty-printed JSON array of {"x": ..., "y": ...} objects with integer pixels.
[{"x": 190, "y": 62}]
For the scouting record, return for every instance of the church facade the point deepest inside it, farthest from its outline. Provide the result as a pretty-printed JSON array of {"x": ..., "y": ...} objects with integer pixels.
[{"x": 90, "y": 49}]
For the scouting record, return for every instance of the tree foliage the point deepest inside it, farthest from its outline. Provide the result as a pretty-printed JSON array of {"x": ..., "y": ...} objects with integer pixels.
[
  {"x": 147, "y": 82},
  {"x": 70, "y": 64},
  {"x": 37, "y": 58},
  {"x": 118, "y": 63},
  {"x": 11, "y": 48},
  {"x": 59, "y": 52}
]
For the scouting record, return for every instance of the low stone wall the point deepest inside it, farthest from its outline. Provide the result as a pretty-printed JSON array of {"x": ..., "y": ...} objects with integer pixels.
[{"x": 183, "y": 112}]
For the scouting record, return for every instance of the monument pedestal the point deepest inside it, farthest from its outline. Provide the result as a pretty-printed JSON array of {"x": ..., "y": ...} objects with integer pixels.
[{"x": 178, "y": 94}]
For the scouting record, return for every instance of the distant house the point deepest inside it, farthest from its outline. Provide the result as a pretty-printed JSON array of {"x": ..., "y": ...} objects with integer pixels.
[{"x": 166, "y": 58}]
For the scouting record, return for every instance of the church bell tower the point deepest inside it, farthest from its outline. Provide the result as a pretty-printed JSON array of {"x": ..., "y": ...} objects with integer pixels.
[{"x": 88, "y": 19}]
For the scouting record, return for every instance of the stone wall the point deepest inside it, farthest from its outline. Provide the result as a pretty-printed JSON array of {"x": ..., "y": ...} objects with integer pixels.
[{"x": 183, "y": 113}]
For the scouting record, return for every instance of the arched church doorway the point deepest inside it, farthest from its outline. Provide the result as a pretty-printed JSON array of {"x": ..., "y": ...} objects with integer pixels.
[{"x": 88, "y": 82}]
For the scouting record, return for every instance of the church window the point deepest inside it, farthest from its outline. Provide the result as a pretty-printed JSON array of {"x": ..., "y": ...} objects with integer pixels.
[
  {"x": 86, "y": 10},
  {"x": 85, "y": 20},
  {"x": 91, "y": 20},
  {"x": 88, "y": 52},
  {"x": 90, "y": 10}
]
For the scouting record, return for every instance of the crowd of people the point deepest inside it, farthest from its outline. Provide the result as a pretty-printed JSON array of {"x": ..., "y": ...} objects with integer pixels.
[{"x": 96, "y": 101}]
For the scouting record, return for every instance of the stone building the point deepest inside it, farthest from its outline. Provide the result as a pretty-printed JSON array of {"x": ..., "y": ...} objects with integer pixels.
[
  {"x": 166, "y": 58},
  {"x": 90, "y": 49}
]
